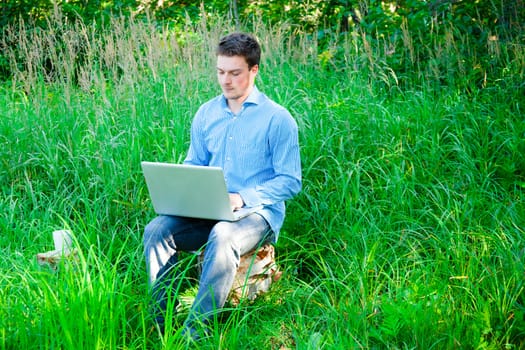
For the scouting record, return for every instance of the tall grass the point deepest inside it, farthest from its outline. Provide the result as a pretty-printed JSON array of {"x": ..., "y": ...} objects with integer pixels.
[{"x": 408, "y": 232}]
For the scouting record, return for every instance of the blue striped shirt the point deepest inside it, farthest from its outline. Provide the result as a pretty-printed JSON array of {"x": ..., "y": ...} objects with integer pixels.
[{"x": 258, "y": 150}]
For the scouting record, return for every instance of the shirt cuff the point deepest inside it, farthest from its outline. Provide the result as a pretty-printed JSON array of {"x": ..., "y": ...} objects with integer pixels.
[{"x": 250, "y": 197}]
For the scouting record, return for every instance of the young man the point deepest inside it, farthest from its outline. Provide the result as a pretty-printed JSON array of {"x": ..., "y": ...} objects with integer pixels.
[{"x": 255, "y": 142}]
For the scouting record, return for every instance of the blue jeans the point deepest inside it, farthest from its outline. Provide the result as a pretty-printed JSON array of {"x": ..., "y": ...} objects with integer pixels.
[{"x": 225, "y": 242}]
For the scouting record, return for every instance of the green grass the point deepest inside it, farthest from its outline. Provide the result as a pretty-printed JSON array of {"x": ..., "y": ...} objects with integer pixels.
[{"x": 408, "y": 234}]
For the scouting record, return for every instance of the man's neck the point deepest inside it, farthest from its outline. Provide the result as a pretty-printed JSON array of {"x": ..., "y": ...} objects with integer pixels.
[{"x": 236, "y": 105}]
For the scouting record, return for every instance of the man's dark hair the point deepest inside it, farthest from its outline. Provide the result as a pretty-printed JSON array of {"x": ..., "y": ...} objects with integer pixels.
[{"x": 240, "y": 44}]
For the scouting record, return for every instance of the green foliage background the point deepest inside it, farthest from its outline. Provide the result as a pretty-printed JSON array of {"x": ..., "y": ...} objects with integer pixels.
[
  {"x": 315, "y": 13},
  {"x": 385, "y": 23}
]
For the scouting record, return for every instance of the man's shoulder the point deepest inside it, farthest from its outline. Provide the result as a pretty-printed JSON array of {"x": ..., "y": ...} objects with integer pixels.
[
  {"x": 215, "y": 103},
  {"x": 276, "y": 114},
  {"x": 279, "y": 110},
  {"x": 268, "y": 103}
]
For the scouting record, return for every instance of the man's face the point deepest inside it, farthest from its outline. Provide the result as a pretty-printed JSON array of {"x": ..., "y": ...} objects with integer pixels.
[{"x": 235, "y": 78}]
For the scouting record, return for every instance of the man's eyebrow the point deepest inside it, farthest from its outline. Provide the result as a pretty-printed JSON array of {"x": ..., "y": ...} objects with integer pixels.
[{"x": 230, "y": 71}]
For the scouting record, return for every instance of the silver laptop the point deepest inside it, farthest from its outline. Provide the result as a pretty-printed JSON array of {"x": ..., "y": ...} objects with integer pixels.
[{"x": 190, "y": 191}]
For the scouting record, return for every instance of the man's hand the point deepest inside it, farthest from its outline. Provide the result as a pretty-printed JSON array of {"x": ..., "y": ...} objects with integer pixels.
[{"x": 236, "y": 201}]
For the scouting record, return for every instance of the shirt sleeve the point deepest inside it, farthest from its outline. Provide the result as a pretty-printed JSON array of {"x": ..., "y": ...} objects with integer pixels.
[
  {"x": 197, "y": 153},
  {"x": 286, "y": 181}
]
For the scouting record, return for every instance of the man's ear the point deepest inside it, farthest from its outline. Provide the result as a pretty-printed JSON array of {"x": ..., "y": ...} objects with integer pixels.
[{"x": 255, "y": 69}]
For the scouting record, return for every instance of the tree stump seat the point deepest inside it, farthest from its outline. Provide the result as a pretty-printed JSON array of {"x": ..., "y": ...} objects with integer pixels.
[{"x": 255, "y": 274}]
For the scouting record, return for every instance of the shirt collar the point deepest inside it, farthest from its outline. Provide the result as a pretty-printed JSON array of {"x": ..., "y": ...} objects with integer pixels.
[{"x": 254, "y": 98}]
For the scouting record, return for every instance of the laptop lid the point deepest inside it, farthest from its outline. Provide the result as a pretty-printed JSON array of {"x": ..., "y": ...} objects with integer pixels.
[{"x": 190, "y": 191}]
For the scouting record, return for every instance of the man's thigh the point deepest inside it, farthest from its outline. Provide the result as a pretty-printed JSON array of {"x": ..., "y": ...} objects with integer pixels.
[
  {"x": 246, "y": 233},
  {"x": 185, "y": 234}
]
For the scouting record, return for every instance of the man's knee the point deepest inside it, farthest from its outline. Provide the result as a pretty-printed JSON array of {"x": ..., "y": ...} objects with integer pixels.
[{"x": 222, "y": 234}]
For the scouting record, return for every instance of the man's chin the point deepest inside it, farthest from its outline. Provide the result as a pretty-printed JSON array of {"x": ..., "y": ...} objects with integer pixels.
[{"x": 231, "y": 95}]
